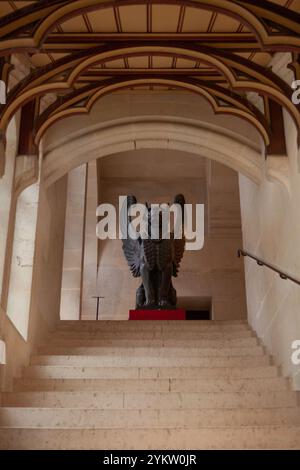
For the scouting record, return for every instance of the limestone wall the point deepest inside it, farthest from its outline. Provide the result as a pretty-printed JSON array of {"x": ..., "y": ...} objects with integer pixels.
[
  {"x": 131, "y": 121},
  {"x": 46, "y": 284},
  {"x": 5, "y": 190},
  {"x": 21, "y": 265},
  {"x": 271, "y": 230}
]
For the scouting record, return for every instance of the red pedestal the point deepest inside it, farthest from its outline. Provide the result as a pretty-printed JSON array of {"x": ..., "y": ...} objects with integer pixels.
[{"x": 178, "y": 314}]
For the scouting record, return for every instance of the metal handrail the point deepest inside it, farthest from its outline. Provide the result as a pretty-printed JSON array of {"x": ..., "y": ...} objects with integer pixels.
[{"x": 261, "y": 262}]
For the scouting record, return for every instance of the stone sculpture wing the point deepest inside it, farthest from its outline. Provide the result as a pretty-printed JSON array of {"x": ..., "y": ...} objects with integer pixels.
[
  {"x": 179, "y": 245},
  {"x": 131, "y": 245},
  {"x": 132, "y": 252}
]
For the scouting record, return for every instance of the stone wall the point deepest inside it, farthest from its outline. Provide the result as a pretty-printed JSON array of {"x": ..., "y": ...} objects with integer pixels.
[
  {"x": 132, "y": 121},
  {"x": 6, "y": 183},
  {"x": 21, "y": 263},
  {"x": 46, "y": 284},
  {"x": 271, "y": 230}
]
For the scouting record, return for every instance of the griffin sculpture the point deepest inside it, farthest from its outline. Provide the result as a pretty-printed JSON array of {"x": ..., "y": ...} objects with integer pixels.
[{"x": 155, "y": 260}]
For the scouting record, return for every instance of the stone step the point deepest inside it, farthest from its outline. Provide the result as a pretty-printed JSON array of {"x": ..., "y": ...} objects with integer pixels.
[
  {"x": 237, "y": 342},
  {"x": 246, "y": 437},
  {"x": 173, "y": 325},
  {"x": 90, "y": 372},
  {"x": 151, "y": 400},
  {"x": 66, "y": 418},
  {"x": 150, "y": 351},
  {"x": 148, "y": 335},
  {"x": 159, "y": 385},
  {"x": 142, "y": 361}
]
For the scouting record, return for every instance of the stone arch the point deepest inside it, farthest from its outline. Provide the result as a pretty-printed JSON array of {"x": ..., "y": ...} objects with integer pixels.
[{"x": 167, "y": 132}]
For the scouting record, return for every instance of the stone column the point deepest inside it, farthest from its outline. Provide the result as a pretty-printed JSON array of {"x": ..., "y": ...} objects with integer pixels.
[
  {"x": 70, "y": 305},
  {"x": 89, "y": 277},
  {"x": 6, "y": 187},
  {"x": 21, "y": 267}
]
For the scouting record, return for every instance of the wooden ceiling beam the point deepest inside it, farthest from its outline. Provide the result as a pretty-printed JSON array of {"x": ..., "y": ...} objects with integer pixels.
[
  {"x": 68, "y": 42},
  {"x": 277, "y": 146},
  {"x": 42, "y": 17},
  {"x": 234, "y": 68},
  {"x": 295, "y": 65},
  {"x": 107, "y": 72},
  {"x": 103, "y": 37},
  {"x": 237, "y": 9},
  {"x": 5, "y": 68},
  {"x": 241, "y": 74},
  {"x": 26, "y": 144}
]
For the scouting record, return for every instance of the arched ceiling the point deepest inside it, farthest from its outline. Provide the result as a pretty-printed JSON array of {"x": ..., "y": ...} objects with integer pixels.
[{"x": 83, "y": 49}]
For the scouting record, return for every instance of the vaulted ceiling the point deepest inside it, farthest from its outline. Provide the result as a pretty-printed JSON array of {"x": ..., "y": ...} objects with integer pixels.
[{"x": 81, "y": 50}]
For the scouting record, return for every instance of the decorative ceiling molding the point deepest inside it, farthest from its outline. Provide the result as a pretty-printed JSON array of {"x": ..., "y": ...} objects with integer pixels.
[
  {"x": 238, "y": 72},
  {"x": 235, "y": 104}
]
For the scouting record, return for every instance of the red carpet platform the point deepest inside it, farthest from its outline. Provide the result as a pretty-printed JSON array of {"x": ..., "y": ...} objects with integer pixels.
[{"x": 178, "y": 314}]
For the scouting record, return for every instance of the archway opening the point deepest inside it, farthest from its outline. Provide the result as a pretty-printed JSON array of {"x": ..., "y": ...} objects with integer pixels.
[{"x": 211, "y": 279}]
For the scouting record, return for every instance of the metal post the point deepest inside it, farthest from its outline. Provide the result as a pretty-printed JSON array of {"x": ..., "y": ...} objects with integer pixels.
[{"x": 97, "y": 297}]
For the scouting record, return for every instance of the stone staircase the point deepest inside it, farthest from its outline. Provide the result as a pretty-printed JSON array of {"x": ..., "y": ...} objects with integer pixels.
[{"x": 150, "y": 385}]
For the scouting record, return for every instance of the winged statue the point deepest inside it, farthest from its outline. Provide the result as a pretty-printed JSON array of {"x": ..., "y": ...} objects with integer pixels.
[{"x": 155, "y": 258}]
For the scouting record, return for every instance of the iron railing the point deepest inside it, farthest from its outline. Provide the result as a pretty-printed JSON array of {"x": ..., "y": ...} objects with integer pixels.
[{"x": 262, "y": 262}]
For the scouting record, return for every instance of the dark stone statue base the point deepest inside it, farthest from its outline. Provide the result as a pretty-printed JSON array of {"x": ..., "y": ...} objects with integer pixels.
[{"x": 175, "y": 314}]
